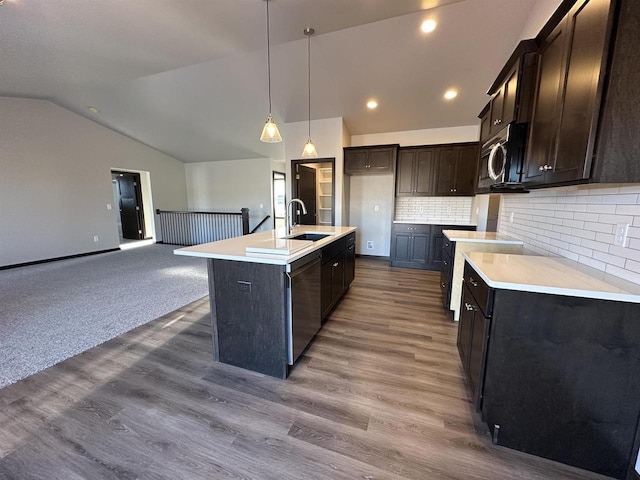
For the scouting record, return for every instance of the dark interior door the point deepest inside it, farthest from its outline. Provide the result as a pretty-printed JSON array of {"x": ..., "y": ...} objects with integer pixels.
[
  {"x": 306, "y": 191},
  {"x": 130, "y": 204}
]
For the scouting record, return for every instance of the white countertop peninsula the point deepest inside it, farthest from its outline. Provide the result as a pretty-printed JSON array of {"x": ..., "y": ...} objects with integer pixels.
[
  {"x": 235, "y": 248},
  {"x": 472, "y": 241},
  {"x": 480, "y": 237},
  {"x": 551, "y": 275}
]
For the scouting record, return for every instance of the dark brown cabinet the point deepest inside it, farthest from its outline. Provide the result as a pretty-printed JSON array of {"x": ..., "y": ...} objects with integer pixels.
[
  {"x": 337, "y": 271},
  {"x": 569, "y": 86},
  {"x": 369, "y": 160},
  {"x": 416, "y": 172},
  {"x": 456, "y": 169}
]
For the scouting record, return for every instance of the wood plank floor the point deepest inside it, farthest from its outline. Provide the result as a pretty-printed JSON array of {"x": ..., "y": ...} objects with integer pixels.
[{"x": 379, "y": 395}]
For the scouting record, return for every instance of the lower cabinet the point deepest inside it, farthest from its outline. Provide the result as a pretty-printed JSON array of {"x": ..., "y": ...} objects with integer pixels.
[
  {"x": 419, "y": 245},
  {"x": 337, "y": 271}
]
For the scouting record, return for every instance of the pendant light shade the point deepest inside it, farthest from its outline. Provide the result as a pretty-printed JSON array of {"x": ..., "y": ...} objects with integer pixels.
[
  {"x": 270, "y": 133},
  {"x": 309, "y": 150}
]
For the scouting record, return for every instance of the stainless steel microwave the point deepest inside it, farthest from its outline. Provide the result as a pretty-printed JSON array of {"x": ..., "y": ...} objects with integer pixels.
[{"x": 502, "y": 159}]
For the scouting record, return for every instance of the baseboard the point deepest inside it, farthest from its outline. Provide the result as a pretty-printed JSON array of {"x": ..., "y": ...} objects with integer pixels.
[
  {"x": 47, "y": 260},
  {"x": 372, "y": 257}
]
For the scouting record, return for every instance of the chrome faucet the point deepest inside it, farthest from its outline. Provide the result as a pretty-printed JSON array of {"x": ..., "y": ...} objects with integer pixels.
[{"x": 288, "y": 221}]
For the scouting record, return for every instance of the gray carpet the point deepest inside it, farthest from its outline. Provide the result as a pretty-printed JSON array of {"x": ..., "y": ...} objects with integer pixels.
[{"x": 53, "y": 311}]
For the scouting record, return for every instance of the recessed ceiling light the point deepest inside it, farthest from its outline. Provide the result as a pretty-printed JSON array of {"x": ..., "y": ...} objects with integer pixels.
[
  {"x": 372, "y": 104},
  {"x": 93, "y": 110},
  {"x": 429, "y": 25},
  {"x": 450, "y": 94}
]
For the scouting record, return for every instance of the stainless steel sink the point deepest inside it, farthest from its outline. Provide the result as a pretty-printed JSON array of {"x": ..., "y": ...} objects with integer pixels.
[{"x": 314, "y": 237}]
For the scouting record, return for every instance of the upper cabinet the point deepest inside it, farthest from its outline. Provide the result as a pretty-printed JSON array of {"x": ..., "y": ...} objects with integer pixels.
[
  {"x": 437, "y": 170},
  {"x": 369, "y": 160},
  {"x": 456, "y": 173},
  {"x": 568, "y": 94}
]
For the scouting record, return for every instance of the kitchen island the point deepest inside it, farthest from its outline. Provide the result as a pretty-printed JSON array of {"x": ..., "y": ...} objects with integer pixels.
[{"x": 269, "y": 292}]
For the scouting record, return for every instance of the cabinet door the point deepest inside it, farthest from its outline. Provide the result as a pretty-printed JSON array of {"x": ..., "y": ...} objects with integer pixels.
[
  {"x": 337, "y": 277},
  {"x": 381, "y": 159},
  {"x": 424, "y": 171},
  {"x": 325, "y": 287},
  {"x": 477, "y": 352},
  {"x": 401, "y": 249},
  {"x": 420, "y": 248},
  {"x": 446, "y": 170},
  {"x": 510, "y": 99},
  {"x": 497, "y": 105},
  {"x": 404, "y": 177},
  {"x": 587, "y": 29},
  {"x": 355, "y": 161},
  {"x": 436, "y": 258},
  {"x": 546, "y": 112},
  {"x": 485, "y": 125},
  {"x": 349, "y": 265},
  {"x": 465, "y": 328},
  {"x": 466, "y": 165}
]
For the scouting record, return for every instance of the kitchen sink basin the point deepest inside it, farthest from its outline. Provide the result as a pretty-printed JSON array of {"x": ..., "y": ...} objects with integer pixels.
[{"x": 314, "y": 237}]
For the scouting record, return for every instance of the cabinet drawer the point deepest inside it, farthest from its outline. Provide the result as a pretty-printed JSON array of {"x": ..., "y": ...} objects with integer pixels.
[
  {"x": 350, "y": 239},
  {"x": 333, "y": 249},
  {"x": 448, "y": 248},
  {"x": 479, "y": 289},
  {"x": 411, "y": 228}
]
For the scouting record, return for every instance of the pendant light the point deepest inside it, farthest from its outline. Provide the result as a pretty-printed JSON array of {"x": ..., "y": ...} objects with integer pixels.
[
  {"x": 309, "y": 150},
  {"x": 270, "y": 133}
]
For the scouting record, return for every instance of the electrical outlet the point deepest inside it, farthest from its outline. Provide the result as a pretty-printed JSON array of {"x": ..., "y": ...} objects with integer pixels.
[
  {"x": 421, "y": 209},
  {"x": 511, "y": 215},
  {"x": 376, "y": 208},
  {"x": 108, "y": 206},
  {"x": 369, "y": 244},
  {"x": 96, "y": 238},
  {"x": 620, "y": 238}
]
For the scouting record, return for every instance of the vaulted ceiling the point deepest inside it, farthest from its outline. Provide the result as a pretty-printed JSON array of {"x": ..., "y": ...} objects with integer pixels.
[{"x": 189, "y": 77}]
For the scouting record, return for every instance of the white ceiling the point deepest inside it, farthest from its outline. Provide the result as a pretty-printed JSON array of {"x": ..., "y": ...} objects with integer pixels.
[{"x": 189, "y": 77}]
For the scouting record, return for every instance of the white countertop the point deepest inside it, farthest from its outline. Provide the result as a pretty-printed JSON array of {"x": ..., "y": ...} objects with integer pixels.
[
  {"x": 437, "y": 222},
  {"x": 552, "y": 275},
  {"x": 480, "y": 237},
  {"x": 235, "y": 248}
]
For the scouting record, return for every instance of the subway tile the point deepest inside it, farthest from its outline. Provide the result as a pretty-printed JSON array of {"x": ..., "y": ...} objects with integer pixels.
[
  {"x": 563, "y": 214},
  {"x": 584, "y": 234},
  {"x": 633, "y": 232},
  {"x": 568, "y": 254},
  {"x": 586, "y": 217},
  {"x": 571, "y": 239},
  {"x": 625, "y": 274},
  {"x": 604, "y": 190},
  {"x": 559, "y": 244},
  {"x": 613, "y": 219},
  {"x": 630, "y": 189},
  {"x": 628, "y": 210},
  {"x": 573, "y": 223},
  {"x": 632, "y": 265},
  {"x": 582, "y": 251},
  {"x": 605, "y": 237},
  {"x": 601, "y": 208},
  {"x": 628, "y": 199},
  {"x": 576, "y": 208},
  {"x": 592, "y": 263},
  {"x": 634, "y": 243},
  {"x": 562, "y": 229},
  {"x": 599, "y": 227},
  {"x": 609, "y": 259},
  {"x": 625, "y": 252},
  {"x": 593, "y": 245}
]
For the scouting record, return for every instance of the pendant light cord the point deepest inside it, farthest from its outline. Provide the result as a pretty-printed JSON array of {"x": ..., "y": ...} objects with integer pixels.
[
  {"x": 309, "y": 78},
  {"x": 268, "y": 57}
]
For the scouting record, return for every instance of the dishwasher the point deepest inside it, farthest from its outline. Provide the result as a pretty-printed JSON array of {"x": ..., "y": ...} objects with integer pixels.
[{"x": 303, "y": 304}]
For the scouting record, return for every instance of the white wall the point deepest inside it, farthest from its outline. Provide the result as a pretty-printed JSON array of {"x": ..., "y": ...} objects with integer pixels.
[
  {"x": 367, "y": 191},
  {"x": 327, "y": 135},
  {"x": 55, "y": 181},
  {"x": 541, "y": 11},
  {"x": 578, "y": 223},
  {"x": 432, "y": 136},
  {"x": 231, "y": 185}
]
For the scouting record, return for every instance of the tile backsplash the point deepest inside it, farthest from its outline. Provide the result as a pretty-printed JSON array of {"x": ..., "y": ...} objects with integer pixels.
[
  {"x": 434, "y": 208},
  {"x": 579, "y": 223}
]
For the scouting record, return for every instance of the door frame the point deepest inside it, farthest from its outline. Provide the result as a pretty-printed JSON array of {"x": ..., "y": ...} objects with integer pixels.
[
  {"x": 273, "y": 179},
  {"x": 303, "y": 161}
]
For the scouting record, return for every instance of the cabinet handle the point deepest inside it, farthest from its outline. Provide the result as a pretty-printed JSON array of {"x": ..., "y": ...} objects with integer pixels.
[
  {"x": 446, "y": 244},
  {"x": 455, "y": 189},
  {"x": 473, "y": 282},
  {"x": 548, "y": 167},
  {"x": 443, "y": 284},
  {"x": 445, "y": 263},
  {"x": 495, "y": 122},
  {"x": 544, "y": 168},
  {"x": 468, "y": 307},
  {"x": 336, "y": 264}
]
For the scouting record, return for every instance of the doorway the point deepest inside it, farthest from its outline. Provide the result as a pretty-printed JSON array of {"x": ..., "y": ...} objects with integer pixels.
[
  {"x": 127, "y": 192},
  {"x": 313, "y": 183},
  {"x": 279, "y": 199}
]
